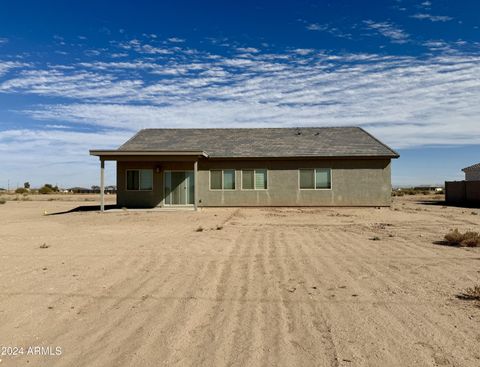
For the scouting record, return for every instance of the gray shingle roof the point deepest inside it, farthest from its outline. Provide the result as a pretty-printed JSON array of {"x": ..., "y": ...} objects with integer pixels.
[
  {"x": 263, "y": 142},
  {"x": 472, "y": 167}
]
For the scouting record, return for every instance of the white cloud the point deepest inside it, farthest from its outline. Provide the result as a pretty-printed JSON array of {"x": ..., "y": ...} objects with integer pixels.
[
  {"x": 73, "y": 85},
  {"x": 6, "y": 66},
  {"x": 328, "y": 28},
  {"x": 64, "y": 156},
  {"x": 251, "y": 50},
  {"x": 405, "y": 101},
  {"x": 176, "y": 40},
  {"x": 3, "y": 40},
  {"x": 138, "y": 46},
  {"x": 316, "y": 27},
  {"x": 303, "y": 51},
  {"x": 408, "y": 101},
  {"x": 432, "y": 18},
  {"x": 388, "y": 30}
]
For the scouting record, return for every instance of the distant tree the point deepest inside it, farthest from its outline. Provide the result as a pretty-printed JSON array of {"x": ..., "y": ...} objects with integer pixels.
[
  {"x": 21, "y": 190},
  {"x": 26, "y": 185},
  {"x": 47, "y": 189}
]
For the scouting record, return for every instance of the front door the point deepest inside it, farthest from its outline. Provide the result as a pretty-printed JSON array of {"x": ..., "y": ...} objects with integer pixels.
[{"x": 179, "y": 188}]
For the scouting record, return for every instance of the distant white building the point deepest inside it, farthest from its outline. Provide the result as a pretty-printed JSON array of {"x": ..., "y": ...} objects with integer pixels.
[{"x": 472, "y": 173}]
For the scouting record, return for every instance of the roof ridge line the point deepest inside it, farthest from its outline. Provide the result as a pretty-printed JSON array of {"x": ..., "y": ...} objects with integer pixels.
[{"x": 251, "y": 128}]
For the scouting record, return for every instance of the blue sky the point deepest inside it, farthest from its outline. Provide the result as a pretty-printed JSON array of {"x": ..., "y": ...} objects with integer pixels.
[{"x": 76, "y": 75}]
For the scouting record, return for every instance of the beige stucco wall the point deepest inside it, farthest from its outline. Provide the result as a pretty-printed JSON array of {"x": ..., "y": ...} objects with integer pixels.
[
  {"x": 354, "y": 183},
  {"x": 472, "y": 175}
]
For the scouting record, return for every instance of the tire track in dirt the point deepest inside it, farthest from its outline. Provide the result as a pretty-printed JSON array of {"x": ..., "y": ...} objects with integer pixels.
[
  {"x": 318, "y": 344},
  {"x": 194, "y": 338},
  {"x": 162, "y": 325},
  {"x": 284, "y": 319},
  {"x": 241, "y": 344},
  {"x": 390, "y": 279},
  {"x": 118, "y": 312},
  {"x": 392, "y": 312},
  {"x": 63, "y": 320},
  {"x": 277, "y": 349},
  {"x": 164, "y": 329},
  {"x": 349, "y": 310}
]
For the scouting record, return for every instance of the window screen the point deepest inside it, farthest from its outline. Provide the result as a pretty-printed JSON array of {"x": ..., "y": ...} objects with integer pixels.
[
  {"x": 260, "y": 179},
  {"x": 132, "y": 180},
  {"x": 322, "y": 178},
  {"x": 319, "y": 178},
  {"x": 140, "y": 179},
  {"x": 216, "y": 180},
  {"x": 307, "y": 179},
  {"x": 248, "y": 180},
  {"x": 229, "y": 179},
  {"x": 146, "y": 179}
]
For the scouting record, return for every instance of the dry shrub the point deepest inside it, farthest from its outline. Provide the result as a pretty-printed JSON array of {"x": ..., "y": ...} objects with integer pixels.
[
  {"x": 3, "y": 200},
  {"x": 467, "y": 239},
  {"x": 472, "y": 293},
  {"x": 199, "y": 229}
]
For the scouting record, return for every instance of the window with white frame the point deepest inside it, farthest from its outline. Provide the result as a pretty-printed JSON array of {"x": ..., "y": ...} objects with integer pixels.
[
  {"x": 139, "y": 179},
  {"x": 315, "y": 179},
  {"x": 254, "y": 179},
  {"x": 222, "y": 179}
]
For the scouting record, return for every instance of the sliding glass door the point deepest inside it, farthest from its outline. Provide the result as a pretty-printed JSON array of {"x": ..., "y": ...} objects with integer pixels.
[{"x": 179, "y": 187}]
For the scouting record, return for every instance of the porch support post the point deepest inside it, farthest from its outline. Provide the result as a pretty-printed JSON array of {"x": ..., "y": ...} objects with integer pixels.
[
  {"x": 102, "y": 185},
  {"x": 195, "y": 184}
]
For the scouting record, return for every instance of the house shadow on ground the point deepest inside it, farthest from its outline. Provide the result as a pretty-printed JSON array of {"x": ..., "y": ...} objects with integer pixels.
[{"x": 85, "y": 208}]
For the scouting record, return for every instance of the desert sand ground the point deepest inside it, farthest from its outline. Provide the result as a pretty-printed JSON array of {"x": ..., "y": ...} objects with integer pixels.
[{"x": 269, "y": 287}]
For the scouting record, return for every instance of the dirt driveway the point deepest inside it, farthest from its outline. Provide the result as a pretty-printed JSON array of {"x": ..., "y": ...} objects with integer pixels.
[{"x": 256, "y": 287}]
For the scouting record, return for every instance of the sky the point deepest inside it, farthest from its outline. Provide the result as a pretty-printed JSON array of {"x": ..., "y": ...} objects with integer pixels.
[{"x": 78, "y": 75}]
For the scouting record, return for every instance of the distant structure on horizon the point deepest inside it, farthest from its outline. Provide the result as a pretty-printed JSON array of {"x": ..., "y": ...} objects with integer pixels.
[
  {"x": 465, "y": 192},
  {"x": 472, "y": 173}
]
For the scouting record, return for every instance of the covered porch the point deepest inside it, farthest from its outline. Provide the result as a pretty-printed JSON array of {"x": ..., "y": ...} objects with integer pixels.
[{"x": 153, "y": 179}]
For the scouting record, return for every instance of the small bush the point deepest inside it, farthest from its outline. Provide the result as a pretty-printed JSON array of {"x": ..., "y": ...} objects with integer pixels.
[
  {"x": 21, "y": 190},
  {"x": 3, "y": 200},
  {"x": 467, "y": 239},
  {"x": 44, "y": 245},
  {"x": 45, "y": 190},
  {"x": 199, "y": 229},
  {"x": 219, "y": 227},
  {"x": 473, "y": 293},
  {"x": 470, "y": 294},
  {"x": 374, "y": 238}
]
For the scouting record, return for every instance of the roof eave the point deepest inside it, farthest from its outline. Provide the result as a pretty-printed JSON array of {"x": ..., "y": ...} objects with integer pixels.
[
  {"x": 312, "y": 156},
  {"x": 106, "y": 153}
]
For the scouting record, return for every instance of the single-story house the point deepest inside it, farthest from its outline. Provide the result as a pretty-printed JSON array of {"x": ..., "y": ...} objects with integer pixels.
[
  {"x": 472, "y": 173},
  {"x": 315, "y": 166}
]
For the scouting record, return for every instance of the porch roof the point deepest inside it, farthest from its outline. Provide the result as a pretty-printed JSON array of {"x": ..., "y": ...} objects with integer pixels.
[{"x": 112, "y": 153}]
